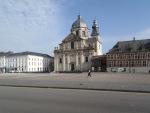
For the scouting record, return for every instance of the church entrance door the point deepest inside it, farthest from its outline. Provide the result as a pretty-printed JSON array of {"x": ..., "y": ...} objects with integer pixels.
[{"x": 72, "y": 67}]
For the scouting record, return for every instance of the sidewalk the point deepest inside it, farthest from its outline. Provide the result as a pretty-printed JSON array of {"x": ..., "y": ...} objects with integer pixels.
[{"x": 98, "y": 81}]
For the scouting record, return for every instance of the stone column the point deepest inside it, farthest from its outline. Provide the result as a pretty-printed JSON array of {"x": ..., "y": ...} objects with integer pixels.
[
  {"x": 77, "y": 64},
  {"x": 77, "y": 45},
  {"x": 82, "y": 61},
  {"x": 82, "y": 58},
  {"x": 64, "y": 63},
  {"x": 68, "y": 65},
  {"x": 56, "y": 63}
]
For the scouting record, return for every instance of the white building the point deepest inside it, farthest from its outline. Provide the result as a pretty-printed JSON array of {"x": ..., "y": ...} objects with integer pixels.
[
  {"x": 27, "y": 62},
  {"x": 3, "y": 60},
  {"x": 2, "y": 64},
  {"x": 76, "y": 50}
]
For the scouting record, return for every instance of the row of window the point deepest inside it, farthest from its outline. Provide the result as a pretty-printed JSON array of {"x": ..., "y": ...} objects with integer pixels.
[
  {"x": 129, "y": 56},
  {"x": 38, "y": 63},
  {"x": 39, "y": 69},
  {"x": 83, "y": 33},
  {"x": 86, "y": 59},
  {"x": 23, "y": 69},
  {"x": 24, "y": 64},
  {"x": 16, "y": 60},
  {"x": 128, "y": 63},
  {"x": 14, "y": 65},
  {"x": 24, "y": 60},
  {"x": 72, "y": 46},
  {"x": 38, "y": 59},
  {"x": 68, "y": 45}
]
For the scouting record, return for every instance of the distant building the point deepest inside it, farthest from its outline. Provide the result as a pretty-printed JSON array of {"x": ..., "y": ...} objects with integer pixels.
[
  {"x": 129, "y": 56},
  {"x": 26, "y": 62},
  {"x": 99, "y": 63},
  {"x": 2, "y": 64},
  {"x": 76, "y": 50},
  {"x": 3, "y": 61}
]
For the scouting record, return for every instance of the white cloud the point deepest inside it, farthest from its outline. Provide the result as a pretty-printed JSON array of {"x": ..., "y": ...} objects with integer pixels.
[{"x": 32, "y": 25}]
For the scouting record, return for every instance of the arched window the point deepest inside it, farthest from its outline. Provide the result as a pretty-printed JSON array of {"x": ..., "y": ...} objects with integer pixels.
[
  {"x": 86, "y": 59},
  {"x": 72, "y": 45},
  {"x": 60, "y": 60}
]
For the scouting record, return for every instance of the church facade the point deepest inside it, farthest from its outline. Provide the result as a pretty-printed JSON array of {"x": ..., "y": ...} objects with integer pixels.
[{"x": 76, "y": 50}]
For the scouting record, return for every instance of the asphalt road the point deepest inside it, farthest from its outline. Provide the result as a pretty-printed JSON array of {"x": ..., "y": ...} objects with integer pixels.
[{"x": 46, "y": 100}]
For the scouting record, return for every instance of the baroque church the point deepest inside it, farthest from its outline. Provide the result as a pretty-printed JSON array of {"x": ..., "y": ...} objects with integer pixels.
[{"x": 76, "y": 50}]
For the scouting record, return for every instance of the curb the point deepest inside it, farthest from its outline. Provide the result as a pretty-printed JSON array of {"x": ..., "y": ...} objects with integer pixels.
[{"x": 77, "y": 88}]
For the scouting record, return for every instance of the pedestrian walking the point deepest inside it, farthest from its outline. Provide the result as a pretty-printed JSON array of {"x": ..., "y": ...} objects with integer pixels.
[{"x": 89, "y": 73}]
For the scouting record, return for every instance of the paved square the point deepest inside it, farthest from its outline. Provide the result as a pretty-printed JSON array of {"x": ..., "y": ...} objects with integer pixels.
[{"x": 112, "y": 81}]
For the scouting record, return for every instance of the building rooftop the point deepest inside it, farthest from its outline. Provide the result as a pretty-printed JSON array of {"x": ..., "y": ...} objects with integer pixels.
[
  {"x": 131, "y": 46},
  {"x": 79, "y": 23},
  {"x": 25, "y": 53},
  {"x": 6, "y": 53}
]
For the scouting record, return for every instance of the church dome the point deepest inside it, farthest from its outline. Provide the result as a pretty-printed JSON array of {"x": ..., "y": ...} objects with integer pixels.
[{"x": 79, "y": 23}]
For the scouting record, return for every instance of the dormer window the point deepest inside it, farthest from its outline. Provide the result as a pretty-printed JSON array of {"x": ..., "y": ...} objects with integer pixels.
[
  {"x": 72, "y": 45},
  {"x": 77, "y": 33},
  {"x": 83, "y": 33}
]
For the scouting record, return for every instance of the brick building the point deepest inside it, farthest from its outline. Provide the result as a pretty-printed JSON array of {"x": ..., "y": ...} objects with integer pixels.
[{"x": 129, "y": 56}]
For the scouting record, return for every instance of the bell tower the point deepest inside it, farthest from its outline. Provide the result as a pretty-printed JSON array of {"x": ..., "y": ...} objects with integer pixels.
[
  {"x": 95, "y": 29},
  {"x": 95, "y": 34}
]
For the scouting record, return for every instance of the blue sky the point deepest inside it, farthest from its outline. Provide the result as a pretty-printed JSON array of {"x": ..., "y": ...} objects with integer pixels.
[{"x": 40, "y": 25}]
